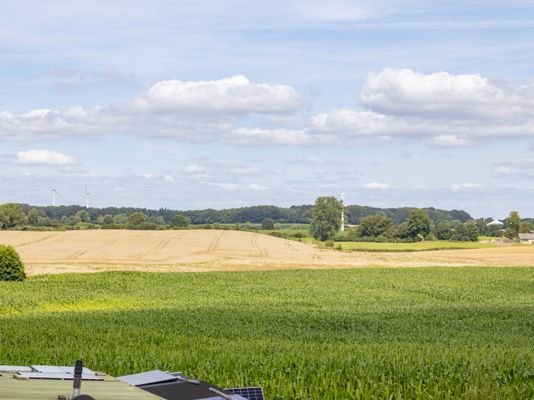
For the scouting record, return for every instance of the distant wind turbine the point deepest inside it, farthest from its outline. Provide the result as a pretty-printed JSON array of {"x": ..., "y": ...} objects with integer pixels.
[
  {"x": 54, "y": 193},
  {"x": 87, "y": 194}
]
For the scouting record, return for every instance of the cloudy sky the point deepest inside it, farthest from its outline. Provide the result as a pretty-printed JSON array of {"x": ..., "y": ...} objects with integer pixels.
[{"x": 195, "y": 104}]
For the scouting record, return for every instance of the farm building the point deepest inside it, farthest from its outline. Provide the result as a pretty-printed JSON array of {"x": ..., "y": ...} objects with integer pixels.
[
  {"x": 42, "y": 382},
  {"x": 526, "y": 238}
]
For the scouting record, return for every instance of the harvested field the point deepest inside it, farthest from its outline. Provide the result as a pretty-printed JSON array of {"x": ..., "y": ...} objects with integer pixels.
[{"x": 211, "y": 250}]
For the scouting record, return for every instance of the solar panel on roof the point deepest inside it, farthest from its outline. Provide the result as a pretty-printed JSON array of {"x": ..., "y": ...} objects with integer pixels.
[
  {"x": 14, "y": 368},
  {"x": 62, "y": 377},
  {"x": 233, "y": 396},
  {"x": 70, "y": 370},
  {"x": 147, "y": 378},
  {"x": 250, "y": 393},
  {"x": 48, "y": 369}
]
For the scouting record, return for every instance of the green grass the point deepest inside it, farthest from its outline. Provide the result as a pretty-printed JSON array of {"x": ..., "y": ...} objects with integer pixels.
[
  {"x": 417, "y": 246},
  {"x": 457, "y": 333}
]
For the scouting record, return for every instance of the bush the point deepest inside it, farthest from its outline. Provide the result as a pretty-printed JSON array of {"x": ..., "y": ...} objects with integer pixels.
[
  {"x": 11, "y": 267},
  {"x": 329, "y": 243}
]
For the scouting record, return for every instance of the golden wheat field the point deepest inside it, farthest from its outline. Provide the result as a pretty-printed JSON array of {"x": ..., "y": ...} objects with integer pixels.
[{"x": 211, "y": 250}]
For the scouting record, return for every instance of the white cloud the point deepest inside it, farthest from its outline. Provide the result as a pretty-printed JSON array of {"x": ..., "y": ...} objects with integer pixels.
[
  {"x": 43, "y": 157},
  {"x": 195, "y": 169},
  {"x": 168, "y": 179},
  {"x": 257, "y": 188},
  {"x": 255, "y": 136},
  {"x": 439, "y": 109},
  {"x": 522, "y": 168},
  {"x": 451, "y": 141},
  {"x": 377, "y": 186},
  {"x": 457, "y": 187},
  {"x": 443, "y": 95},
  {"x": 235, "y": 95},
  {"x": 193, "y": 111}
]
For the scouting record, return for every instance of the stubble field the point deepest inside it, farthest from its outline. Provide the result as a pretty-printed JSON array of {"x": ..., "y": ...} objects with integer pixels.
[{"x": 222, "y": 250}]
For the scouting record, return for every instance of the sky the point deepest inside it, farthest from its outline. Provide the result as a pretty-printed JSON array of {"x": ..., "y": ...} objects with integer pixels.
[{"x": 230, "y": 103}]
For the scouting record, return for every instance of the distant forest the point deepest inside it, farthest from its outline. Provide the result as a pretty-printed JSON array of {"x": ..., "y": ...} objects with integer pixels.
[{"x": 255, "y": 214}]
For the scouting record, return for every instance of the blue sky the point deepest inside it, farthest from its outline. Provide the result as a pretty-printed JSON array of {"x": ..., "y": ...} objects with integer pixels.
[{"x": 196, "y": 104}]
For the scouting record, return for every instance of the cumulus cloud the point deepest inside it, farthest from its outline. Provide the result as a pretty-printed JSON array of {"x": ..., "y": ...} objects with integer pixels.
[
  {"x": 443, "y": 95},
  {"x": 439, "y": 109},
  {"x": 235, "y": 95},
  {"x": 192, "y": 111},
  {"x": 44, "y": 157}
]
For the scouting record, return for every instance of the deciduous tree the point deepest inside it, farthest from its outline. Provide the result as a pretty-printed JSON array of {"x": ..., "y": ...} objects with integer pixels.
[{"x": 326, "y": 218}]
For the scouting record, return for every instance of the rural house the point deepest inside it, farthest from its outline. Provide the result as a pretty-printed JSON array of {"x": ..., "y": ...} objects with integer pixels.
[
  {"x": 526, "y": 238},
  {"x": 46, "y": 382}
]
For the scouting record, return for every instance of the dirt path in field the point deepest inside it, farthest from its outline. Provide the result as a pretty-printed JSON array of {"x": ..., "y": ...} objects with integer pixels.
[{"x": 217, "y": 250}]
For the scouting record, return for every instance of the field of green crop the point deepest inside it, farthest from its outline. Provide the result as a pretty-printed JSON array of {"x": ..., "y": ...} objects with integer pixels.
[
  {"x": 428, "y": 333},
  {"x": 417, "y": 246}
]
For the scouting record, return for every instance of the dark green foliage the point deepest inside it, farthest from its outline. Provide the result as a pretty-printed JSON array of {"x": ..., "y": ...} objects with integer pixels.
[
  {"x": 267, "y": 224},
  {"x": 443, "y": 231},
  {"x": 513, "y": 225},
  {"x": 326, "y": 218},
  {"x": 11, "y": 267},
  {"x": 418, "y": 224},
  {"x": 254, "y": 214},
  {"x": 374, "y": 226},
  {"x": 180, "y": 221},
  {"x": 467, "y": 232},
  {"x": 136, "y": 219},
  {"x": 11, "y": 215},
  {"x": 424, "y": 333}
]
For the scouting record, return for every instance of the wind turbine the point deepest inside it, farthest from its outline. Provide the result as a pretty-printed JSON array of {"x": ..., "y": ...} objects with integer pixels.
[
  {"x": 342, "y": 200},
  {"x": 87, "y": 194},
  {"x": 53, "y": 193}
]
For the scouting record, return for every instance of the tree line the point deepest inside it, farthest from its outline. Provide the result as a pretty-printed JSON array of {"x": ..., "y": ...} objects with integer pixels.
[
  {"x": 418, "y": 226},
  {"x": 298, "y": 214}
]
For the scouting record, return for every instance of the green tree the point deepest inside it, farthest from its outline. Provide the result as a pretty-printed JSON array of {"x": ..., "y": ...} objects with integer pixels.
[
  {"x": 326, "y": 218},
  {"x": 107, "y": 220},
  {"x": 472, "y": 231},
  {"x": 82, "y": 216},
  {"x": 180, "y": 221},
  {"x": 120, "y": 219},
  {"x": 33, "y": 217},
  {"x": 443, "y": 231},
  {"x": 513, "y": 223},
  {"x": 267, "y": 224},
  {"x": 11, "y": 267},
  {"x": 418, "y": 224},
  {"x": 137, "y": 218},
  {"x": 374, "y": 225},
  {"x": 11, "y": 215}
]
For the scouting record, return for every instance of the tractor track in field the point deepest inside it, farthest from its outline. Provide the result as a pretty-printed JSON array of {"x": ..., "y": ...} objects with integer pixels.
[
  {"x": 34, "y": 241},
  {"x": 261, "y": 251}
]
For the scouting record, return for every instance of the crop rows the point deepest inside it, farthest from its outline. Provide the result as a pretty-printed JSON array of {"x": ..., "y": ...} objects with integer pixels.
[{"x": 337, "y": 334}]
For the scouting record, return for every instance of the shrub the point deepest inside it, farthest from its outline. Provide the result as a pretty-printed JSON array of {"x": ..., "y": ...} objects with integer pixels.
[
  {"x": 11, "y": 267},
  {"x": 329, "y": 243}
]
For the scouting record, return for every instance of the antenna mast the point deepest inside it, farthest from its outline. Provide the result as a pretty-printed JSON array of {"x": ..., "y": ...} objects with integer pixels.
[{"x": 87, "y": 194}]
